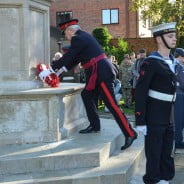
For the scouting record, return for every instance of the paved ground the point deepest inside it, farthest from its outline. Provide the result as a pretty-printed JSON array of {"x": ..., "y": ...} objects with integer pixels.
[
  {"x": 179, "y": 165},
  {"x": 179, "y": 159}
]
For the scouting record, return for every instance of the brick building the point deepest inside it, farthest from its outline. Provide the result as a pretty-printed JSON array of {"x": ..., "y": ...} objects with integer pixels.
[{"x": 115, "y": 15}]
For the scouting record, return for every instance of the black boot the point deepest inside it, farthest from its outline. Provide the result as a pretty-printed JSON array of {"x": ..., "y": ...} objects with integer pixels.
[
  {"x": 89, "y": 129},
  {"x": 129, "y": 141}
]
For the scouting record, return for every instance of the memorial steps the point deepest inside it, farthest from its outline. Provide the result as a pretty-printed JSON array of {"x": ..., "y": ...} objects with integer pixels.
[{"x": 81, "y": 159}]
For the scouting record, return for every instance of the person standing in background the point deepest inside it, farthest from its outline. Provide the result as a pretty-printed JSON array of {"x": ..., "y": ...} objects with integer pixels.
[
  {"x": 179, "y": 104},
  {"x": 112, "y": 59},
  {"x": 154, "y": 102},
  {"x": 132, "y": 57},
  {"x": 117, "y": 83},
  {"x": 136, "y": 67},
  {"x": 133, "y": 60},
  {"x": 125, "y": 76}
]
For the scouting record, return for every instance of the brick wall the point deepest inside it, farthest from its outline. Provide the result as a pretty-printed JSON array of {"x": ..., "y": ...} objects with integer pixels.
[
  {"x": 89, "y": 14},
  {"x": 137, "y": 43}
]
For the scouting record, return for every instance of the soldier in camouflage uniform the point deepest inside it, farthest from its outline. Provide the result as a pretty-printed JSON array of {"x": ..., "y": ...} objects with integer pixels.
[{"x": 125, "y": 76}]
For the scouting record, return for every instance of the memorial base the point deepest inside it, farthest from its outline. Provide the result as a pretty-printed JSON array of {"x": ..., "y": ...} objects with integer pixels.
[{"x": 41, "y": 115}]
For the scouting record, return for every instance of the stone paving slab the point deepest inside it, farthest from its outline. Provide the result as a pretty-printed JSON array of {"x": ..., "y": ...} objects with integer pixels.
[
  {"x": 179, "y": 169},
  {"x": 178, "y": 179}
]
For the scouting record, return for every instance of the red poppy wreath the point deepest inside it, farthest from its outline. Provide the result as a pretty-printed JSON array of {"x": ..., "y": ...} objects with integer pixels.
[{"x": 47, "y": 75}]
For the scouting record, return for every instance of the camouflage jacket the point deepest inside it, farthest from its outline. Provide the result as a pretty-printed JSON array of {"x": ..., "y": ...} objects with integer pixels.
[{"x": 125, "y": 75}]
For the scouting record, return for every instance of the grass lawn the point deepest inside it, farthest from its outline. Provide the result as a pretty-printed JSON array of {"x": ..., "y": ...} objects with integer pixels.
[{"x": 129, "y": 111}]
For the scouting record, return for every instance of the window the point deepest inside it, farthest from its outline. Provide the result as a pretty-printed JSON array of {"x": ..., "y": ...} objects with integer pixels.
[
  {"x": 63, "y": 16},
  {"x": 110, "y": 16}
]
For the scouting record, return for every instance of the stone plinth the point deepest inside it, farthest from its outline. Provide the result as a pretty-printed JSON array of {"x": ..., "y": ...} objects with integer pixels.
[
  {"x": 24, "y": 42},
  {"x": 41, "y": 115},
  {"x": 30, "y": 114}
]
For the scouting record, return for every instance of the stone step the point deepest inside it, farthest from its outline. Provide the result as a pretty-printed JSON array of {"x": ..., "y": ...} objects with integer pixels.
[
  {"x": 117, "y": 169},
  {"x": 139, "y": 172},
  {"x": 179, "y": 157},
  {"x": 179, "y": 167},
  {"x": 78, "y": 151}
]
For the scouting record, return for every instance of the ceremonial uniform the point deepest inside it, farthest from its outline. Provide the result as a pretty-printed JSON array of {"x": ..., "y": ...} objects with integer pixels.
[
  {"x": 154, "y": 99},
  {"x": 178, "y": 106},
  {"x": 157, "y": 79},
  {"x": 155, "y": 76},
  {"x": 100, "y": 76}
]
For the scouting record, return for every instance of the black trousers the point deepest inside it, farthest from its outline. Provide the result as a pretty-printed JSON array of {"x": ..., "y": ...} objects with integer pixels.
[
  {"x": 179, "y": 118},
  {"x": 158, "y": 150},
  {"x": 106, "y": 92}
]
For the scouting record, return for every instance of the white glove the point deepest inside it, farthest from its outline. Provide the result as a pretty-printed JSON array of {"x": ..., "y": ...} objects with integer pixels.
[
  {"x": 142, "y": 129},
  {"x": 57, "y": 56},
  {"x": 59, "y": 72},
  {"x": 45, "y": 73}
]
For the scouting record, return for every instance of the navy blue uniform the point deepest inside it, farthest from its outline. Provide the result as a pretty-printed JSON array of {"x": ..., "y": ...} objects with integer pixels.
[
  {"x": 83, "y": 49},
  {"x": 157, "y": 114},
  {"x": 178, "y": 106}
]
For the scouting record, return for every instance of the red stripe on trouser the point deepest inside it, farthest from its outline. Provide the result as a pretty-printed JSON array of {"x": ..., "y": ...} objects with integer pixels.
[{"x": 117, "y": 110}]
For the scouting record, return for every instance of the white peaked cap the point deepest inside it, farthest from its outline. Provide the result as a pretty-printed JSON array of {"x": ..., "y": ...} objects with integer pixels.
[{"x": 164, "y": 28}]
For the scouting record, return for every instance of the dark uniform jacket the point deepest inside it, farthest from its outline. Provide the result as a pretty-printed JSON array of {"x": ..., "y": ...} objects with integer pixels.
[
  {"x": 155, "y": 74},
  {"x": 180, "y": 78},
  {"x": 83, "y": 48}
]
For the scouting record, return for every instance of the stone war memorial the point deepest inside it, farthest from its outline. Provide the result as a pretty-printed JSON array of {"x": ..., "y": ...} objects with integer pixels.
[
  {"x": 31, "y": 113},
  {"x": 39, "y": 140}
]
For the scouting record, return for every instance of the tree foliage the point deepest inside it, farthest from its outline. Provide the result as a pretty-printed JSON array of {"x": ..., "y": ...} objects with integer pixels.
[
  {"x": 120, "y": 50},
  {"x": 160, "y": 11},
  {"x": 104, "y": 37}
]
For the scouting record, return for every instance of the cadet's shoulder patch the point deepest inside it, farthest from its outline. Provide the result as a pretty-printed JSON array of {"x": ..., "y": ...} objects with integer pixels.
[
  {"x": 138, "y": 113},
  {"x": 142, "y": 72}
]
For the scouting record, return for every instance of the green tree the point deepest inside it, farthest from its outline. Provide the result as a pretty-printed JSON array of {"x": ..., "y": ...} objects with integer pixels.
[
  {"x": 160, "y": 11},
  {"x": 120, "y": 50},
  {"x": 104, "y": 37}
]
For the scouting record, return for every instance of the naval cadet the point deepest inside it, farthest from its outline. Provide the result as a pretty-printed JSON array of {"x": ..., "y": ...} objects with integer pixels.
[
  {"x": 100, "y": 77},
  {"x": 179, "y": 104},
  {"x": 154, "y": 99}
]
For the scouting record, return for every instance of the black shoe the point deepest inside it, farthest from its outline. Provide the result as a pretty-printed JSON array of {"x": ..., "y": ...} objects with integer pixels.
[
  {"x": 87, "y": 130},
  {"x": 179, "y": 145},
  {"x": 129, "y": 141}
]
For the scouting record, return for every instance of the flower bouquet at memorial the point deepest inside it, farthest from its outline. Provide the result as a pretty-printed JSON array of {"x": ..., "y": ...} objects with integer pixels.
[{"x": 47, "y": 75}]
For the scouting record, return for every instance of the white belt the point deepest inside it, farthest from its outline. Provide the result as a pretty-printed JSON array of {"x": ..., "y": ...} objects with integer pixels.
[{"x": 161, "y": 96}]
